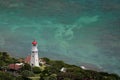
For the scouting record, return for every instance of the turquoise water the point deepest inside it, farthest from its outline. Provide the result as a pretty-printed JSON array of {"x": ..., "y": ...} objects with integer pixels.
[{"x": 75, "y": 31}]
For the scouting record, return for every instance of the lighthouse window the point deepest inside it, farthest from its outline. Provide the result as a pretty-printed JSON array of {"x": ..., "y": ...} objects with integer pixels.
[{"x": 34, "y": 51}]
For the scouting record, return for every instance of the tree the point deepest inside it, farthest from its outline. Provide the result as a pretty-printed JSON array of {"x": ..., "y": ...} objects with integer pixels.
[
  {"x": 36, "y": 70},
  {"x": 67, "y": 79},
  {"x": 26, "y": 67},
  {"x": 27, "y": 73},
  {"x": 6, "y": 76},
  {"x": 48, "y": 77},
  {"x": 53, "y": 77},
  {"x": 55, "y": 66},
  {"x": 46, "y": 59}
]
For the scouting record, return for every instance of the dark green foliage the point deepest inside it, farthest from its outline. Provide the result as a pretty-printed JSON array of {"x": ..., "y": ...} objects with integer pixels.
[
  {"x": 45, "y": 76},
  {"x": 52, "y": 71},
  {"x": 55, "y": 66},
  {"x": 46, "y": 59},
  {"x": 67, "y": 79},
  {"x": 26, "y": 67},
  {"x": 20, "y": 78},
  {"x": 108, "y": 76},
  {"x": 36, "y": 70},
  {"x": 5, "y": 59},
  {"x": 52, "y": 77},
  {"x": 2, "y": 63},
  {"x": 27, "y": 73},
  {"x": 86, "y": 75},
  {"x": 9, "y": 76},
  {"x": 73, "y": 73},
  {"x": 6, "y": 76}
]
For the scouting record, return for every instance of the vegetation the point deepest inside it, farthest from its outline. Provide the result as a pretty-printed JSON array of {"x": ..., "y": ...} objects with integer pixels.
[
  {"x": 6, "y": 59},
  {"x": 73, "y": 73},
  {"x": 6, "y": 76},
  {"x": 36, "y": 70},
  {"x": 27, "y": 73},
  {"x": 9, "y": 76},
  {"x": 26, "y": 67},
  {"x": 50, "y": 71}
]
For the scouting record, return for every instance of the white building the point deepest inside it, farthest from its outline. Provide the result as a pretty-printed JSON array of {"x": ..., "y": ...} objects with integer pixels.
[
  {"x": 63, "y": 69},
  {"x": 83, "y": 67},
  {"x": 34, "y": 61}
]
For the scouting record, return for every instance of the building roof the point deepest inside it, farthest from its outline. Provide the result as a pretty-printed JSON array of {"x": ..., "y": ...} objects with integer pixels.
[
  {"x": 14, "y": 66},
  {"x": 27, "y": 59},
  {"x": 34, "y": 42}
]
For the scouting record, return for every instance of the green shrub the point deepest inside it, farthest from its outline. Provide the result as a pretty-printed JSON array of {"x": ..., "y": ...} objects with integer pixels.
[
  {"x": 6, "y": 76},
  {"x": 53, "y": 77},
  {"x": 46, "y": 59},
  {"x": 27, "y": 73},
  {"x": 36, "y": 70},
  {"x": 5, "y": 59},
  {"x": 67, "y": 79},
  {"x": 48, "y": 77},
  {"x": 26, "y": 67}
]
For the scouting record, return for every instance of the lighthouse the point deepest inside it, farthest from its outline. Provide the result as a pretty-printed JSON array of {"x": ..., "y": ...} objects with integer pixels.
[{"x": 34, "y": 61}]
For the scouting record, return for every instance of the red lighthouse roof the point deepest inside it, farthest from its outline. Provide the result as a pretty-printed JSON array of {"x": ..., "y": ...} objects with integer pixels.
[{"x": 34, "y": 42}]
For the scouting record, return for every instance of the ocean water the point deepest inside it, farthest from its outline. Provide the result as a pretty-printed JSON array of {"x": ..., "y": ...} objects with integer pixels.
[{"x": 75, "y": 31}]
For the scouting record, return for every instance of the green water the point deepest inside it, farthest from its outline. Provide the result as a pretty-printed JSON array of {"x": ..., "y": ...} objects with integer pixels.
[{"x": 75, "y": 31}]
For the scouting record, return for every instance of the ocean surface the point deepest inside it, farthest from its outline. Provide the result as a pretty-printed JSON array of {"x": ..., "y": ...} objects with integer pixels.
[{"x": 75, "y": 31}]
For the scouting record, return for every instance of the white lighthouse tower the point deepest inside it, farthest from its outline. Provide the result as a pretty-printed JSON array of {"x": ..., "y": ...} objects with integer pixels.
[{"x": 34, "y": 61}]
